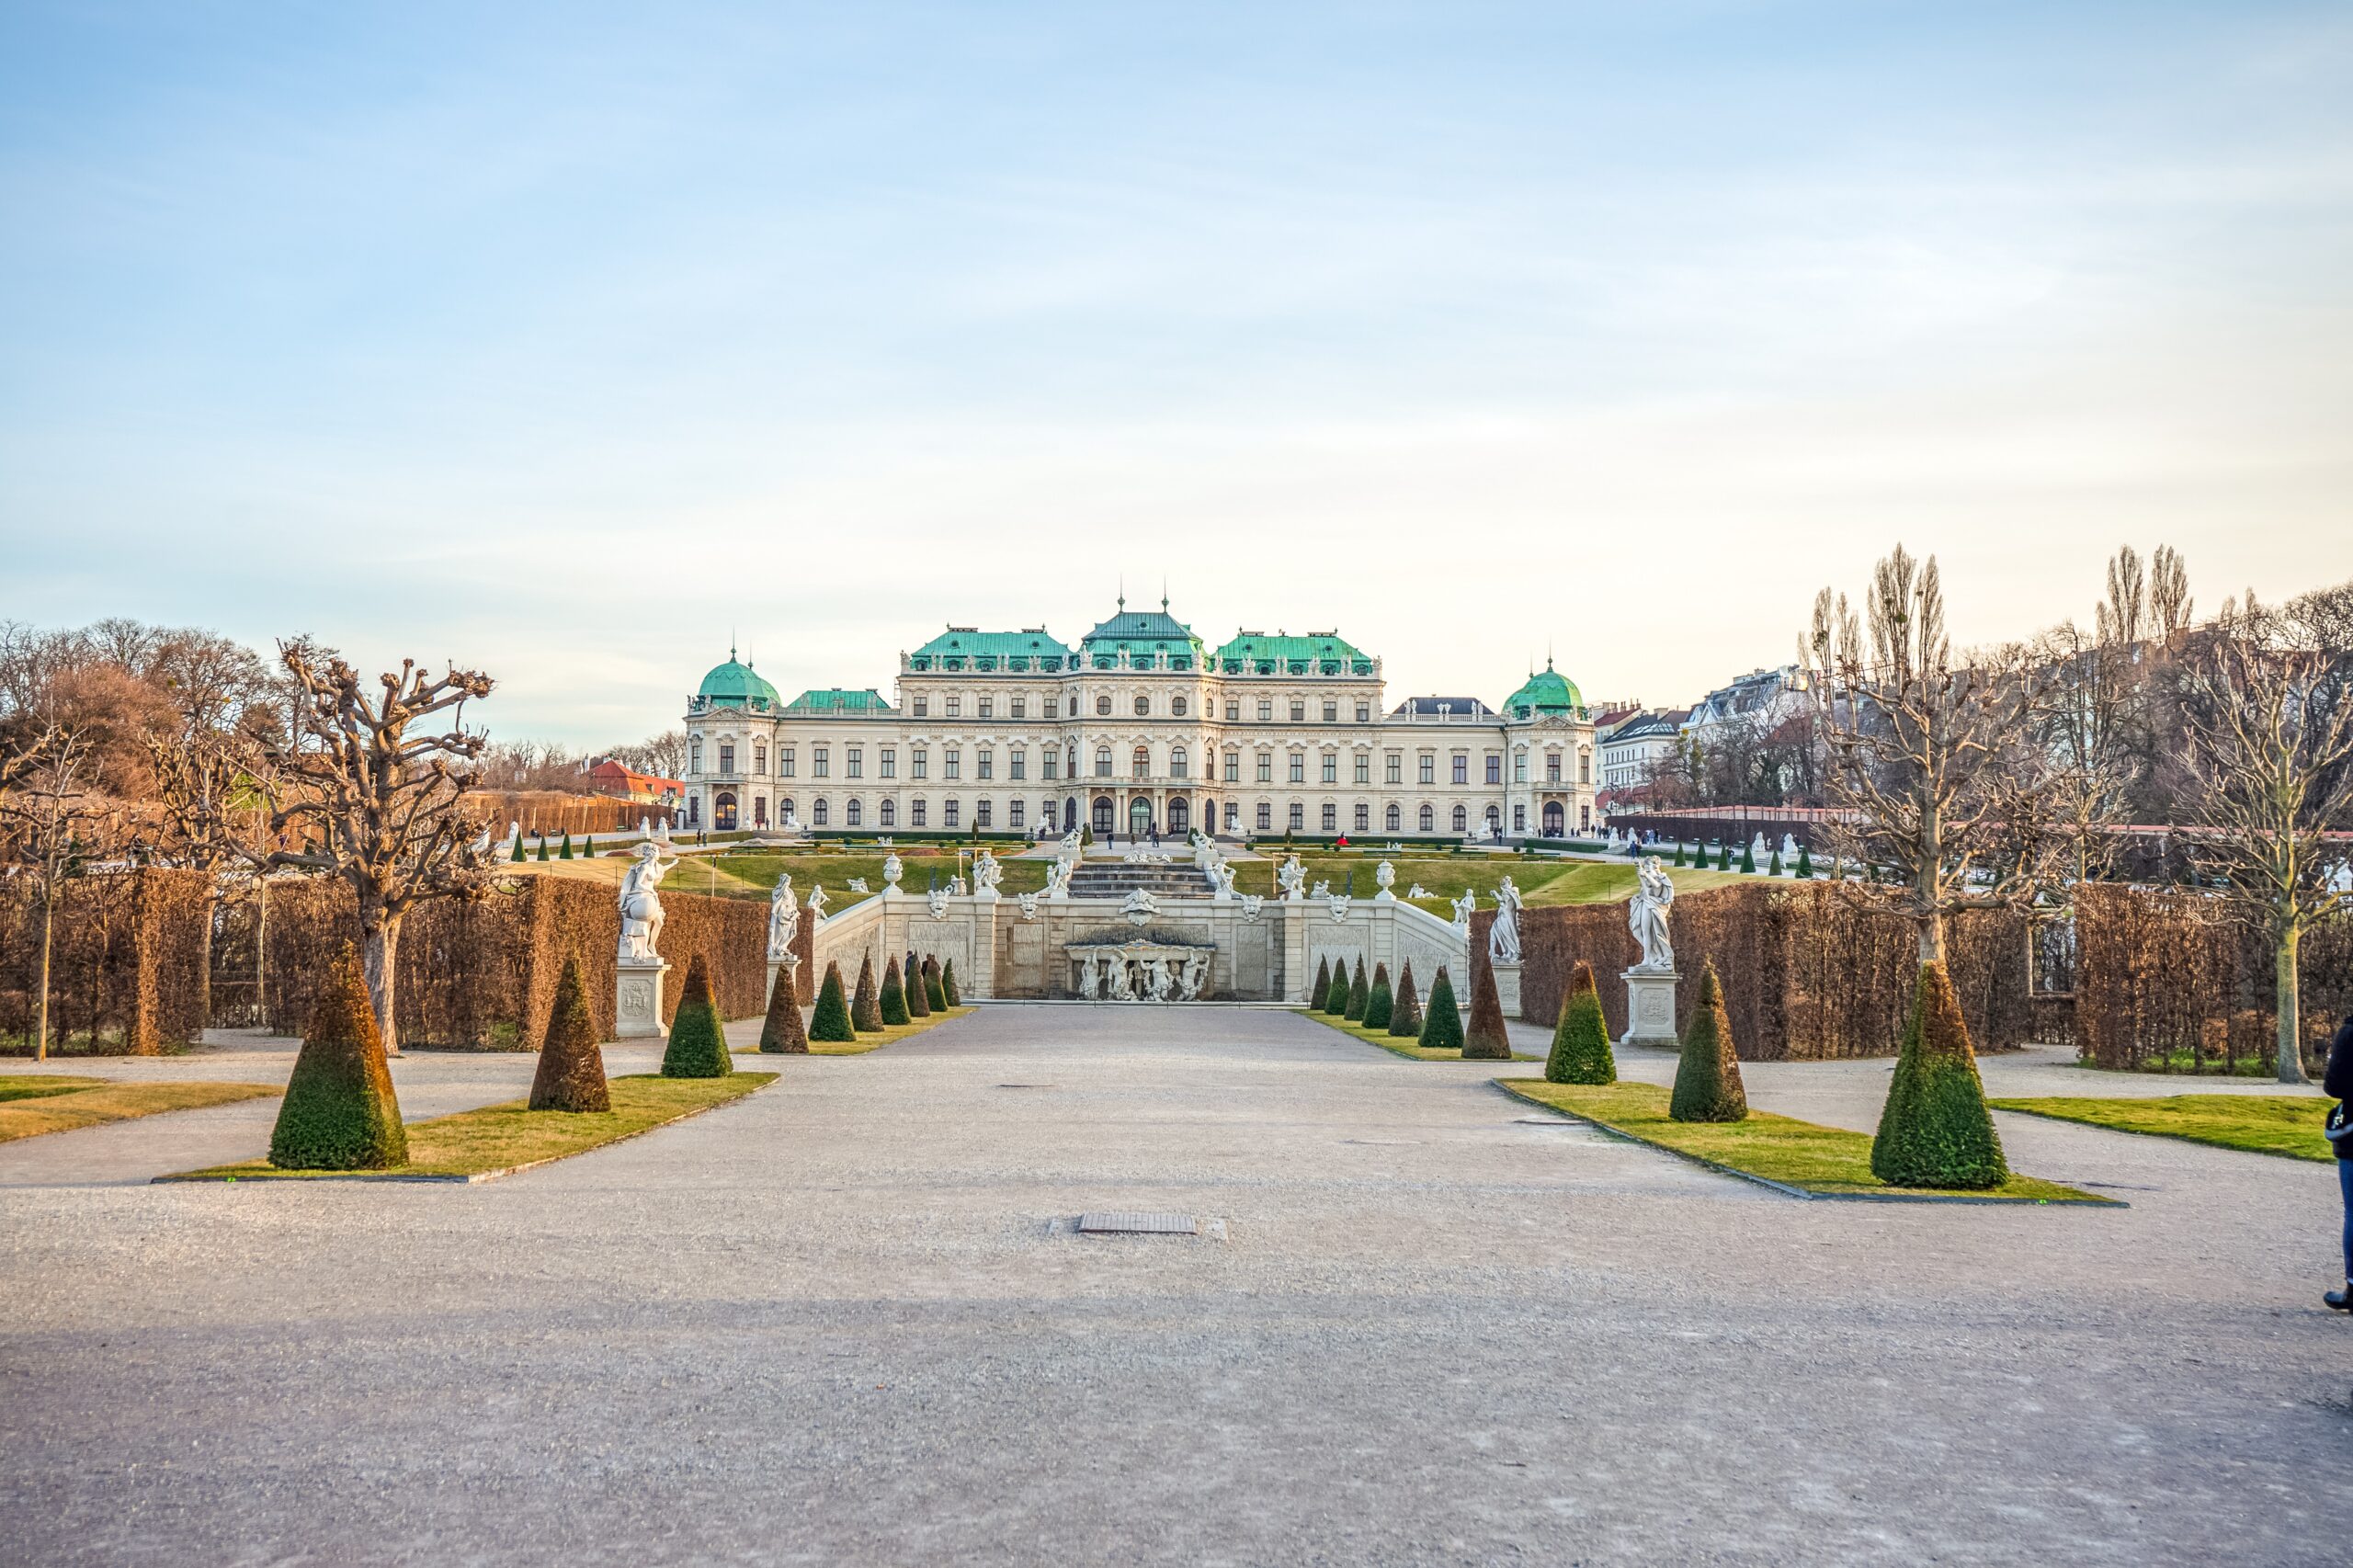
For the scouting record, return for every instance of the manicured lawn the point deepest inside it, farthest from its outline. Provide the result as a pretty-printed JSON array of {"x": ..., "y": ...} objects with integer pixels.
[
  {"x": 891, "y": 1035},
  {"x": 1400, "y": 1044},
  {"x": 749, "y": 873},
  {"x": 2287, "y": 1125},
  {"x": 498, "y": 1139},
  {"x": 1824, "y": 1161},
  {"x": 36, "y": 1103},
  {"x": 1540, "y": 881}
]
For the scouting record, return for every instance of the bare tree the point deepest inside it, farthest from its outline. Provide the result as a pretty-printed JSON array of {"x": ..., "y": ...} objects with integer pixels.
[
  {"x": 2271, "y": 750},
  {"x": 378, "y": 806},
  {"x": 1928, "y": 754},
  {"x": 209, "y": 816},
  {"x": 53, "y": 822},
  {"x": 665, "y": 755}
]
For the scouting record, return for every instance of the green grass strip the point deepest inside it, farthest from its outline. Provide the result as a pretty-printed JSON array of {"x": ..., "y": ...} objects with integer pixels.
[
  {"x": 40, "y": 1085},
  {"x": 498, "y": 1139},
  {"x": 889, "y": 1034},
  {"x": 1398, "y": 1045},
  {"x": 93, "y": 1101},
  {"x": 1816, "y": 1161},
  {"x": 2285, "y": 1125}
]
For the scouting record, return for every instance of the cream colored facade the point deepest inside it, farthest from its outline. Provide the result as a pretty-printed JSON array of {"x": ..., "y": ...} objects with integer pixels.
[{"x": 1139, "y": 729}]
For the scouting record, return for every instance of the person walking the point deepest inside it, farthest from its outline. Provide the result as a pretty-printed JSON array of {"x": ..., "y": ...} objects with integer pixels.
[{"x": 2338, "y": 1084}]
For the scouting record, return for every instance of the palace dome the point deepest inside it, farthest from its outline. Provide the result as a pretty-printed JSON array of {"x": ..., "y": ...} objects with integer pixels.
[
  {"x": 736, "y": 684},
  {"x": 1547, "y": 692}
]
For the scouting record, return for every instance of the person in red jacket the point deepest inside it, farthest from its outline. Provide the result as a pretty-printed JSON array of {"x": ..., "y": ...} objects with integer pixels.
[{"x": 2338, "y": 1084}]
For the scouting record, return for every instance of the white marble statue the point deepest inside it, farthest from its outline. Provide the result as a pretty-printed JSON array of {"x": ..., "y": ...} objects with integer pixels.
[
  {"x": 1322, "y": 890},
  {"x": 892, "y": 869},
  {"x": 1197, "y": 973},
  {"x": 937, "y": 902},
  {"x": 956, "y": 885},
  {"x": 1647, "y": 913},
  {"x": 1464, "y": 909},
  {"x": 1029, "y": 903},
  {"x": 1757, "y": 850},
  {"x": 784, "y": 919},
  {"x": 1071, "y": 846},
  {"x": 857, "y": 884},
  {"x": 1118, "y": 990},
  {"x": 1417, "y": 890},
  {"x": 1155, "y": 981},
  {"x": 885, "y": 842},
  {"x": 1384, "y": 877},
  {"x": 1503, "y": 937},
  {"x": 1291, "y": 876},
  {"x": 817, "y": 903},
  {"x": 1339, "y": 903},
  {"x": 479, "y": 849},
  {"x": 1252, "y": 903},
  {"x": 1140, "y": 907},
  {"x": 1223, "y": 873},
  {"x": 792, "y": 823},
  {"x": 1788, "y": 849},
  {"x": 642, "y": 903},
  {"x": 1058, "y": 879},
  {"x": 644, "y": 828},
  {"x": 986, "y": 872},
  {"x": 1089, "y": 984}
]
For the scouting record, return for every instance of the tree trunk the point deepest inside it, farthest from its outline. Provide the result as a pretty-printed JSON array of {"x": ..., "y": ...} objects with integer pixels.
[
  {"x": 204, "y": 967},
  {"x": 41, "y": 984},
  {"x": 1932, "y": 939},
  {"x": 2291, "y": 1044},
  {"x": 261, "y": 952},
  {"x": 378, "y": 949}
]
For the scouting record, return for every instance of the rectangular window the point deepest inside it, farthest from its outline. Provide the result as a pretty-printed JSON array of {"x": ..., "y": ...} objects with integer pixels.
[
  {"x": 1298, "y": 818},
  {"x": 1266, "y": 767},
  {"x": 955, "y": 705},
  {"x": 855, "y": 757},
  {"x": 951, "y": 763},
  {"x": 821, "y": 762},
  {"x": 1233, "y": 713},
  {"x": 1331, "y": 712},
  {"x": 919, "y": 761},
  {"x": 917, "y": 814},
  {"x": 988, "y": 763},
  {"x": 784, "y": 762},
  {"x": 1298, "y": 767},
  {"x": 759, "y": 757},
  {"x": 1297, "y": 712},
  {"x": 1234, "y": 767},
  {"x": 988, "y": 708},
  {"x": 1013, "y": 817},
  {"x": 1461, "y": 769},
  {"x": 1551, "y": 767},
  {"x": 923, "y": 707},
  {"x": 1331, "y": 817},
  {"x": 981, "y": 813},
  {"x": 1266, "y": 710},
  {"x": 1054, "y": 763},
  {"x": 1519, "y": 768},
  {"x": 1021, "y": 708},
  {"x": 1429, "y": 769},
  {"x": 1394, "y": 770},
  {"x": 1364, "y": 712},
  {"x": 1020, "y": 760},
  {"x": 948, "y": 815},
  {"x": 890, "y": 762},
  {"x": 1053, "y": 708},
  {"x": 1495, "y": 769},
  {"x": 1519, "y": 819},
  {"x": 726, "y": 757},
  {"x": 1364, "y": 767},
  {"x": 1364, "y": 819},
  {"x": 1331, "y": 768},
  {"x": 1265, "y": 817}
]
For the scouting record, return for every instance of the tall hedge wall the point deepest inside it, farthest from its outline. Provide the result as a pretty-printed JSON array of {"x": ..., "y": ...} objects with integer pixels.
[{"x": 126, "y": 951}]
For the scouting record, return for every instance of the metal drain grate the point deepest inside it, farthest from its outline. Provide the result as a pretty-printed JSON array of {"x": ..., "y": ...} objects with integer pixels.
[{"x": 1120, "y": 1224}]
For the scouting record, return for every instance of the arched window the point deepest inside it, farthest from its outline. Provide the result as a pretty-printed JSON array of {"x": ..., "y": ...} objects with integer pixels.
[
  {"x": 853, "y": 814},
  {"x": 1177, "y": 762},
  {"x": 784, "y": 810},
  {"x": 1265, "y": 817},
  {"x": 817, "y": 817},
  {"x": 1103, "y": 706},
  {"x": 1103, "y": 761},
  {"x": 1141, "y": 764},
  {"x": 1495, "y": 819},
  {"x": 1393, "y": 819},
  {"x": 890, "y": 815},
  {"x": 1144, "y": 706},
  {"x": 1430, "y": 820},
  {"x": 1461, "y": 820},
  {"x": 1176, "y": 706},
  {"x": 723, "y": 810}
]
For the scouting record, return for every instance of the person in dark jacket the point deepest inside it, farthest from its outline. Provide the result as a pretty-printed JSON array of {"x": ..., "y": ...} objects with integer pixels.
[{"x": 2338, "y": 1085}]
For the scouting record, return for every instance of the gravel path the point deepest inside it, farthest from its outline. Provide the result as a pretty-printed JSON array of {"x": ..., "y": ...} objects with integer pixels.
[{"x": 842, "y": 1321}]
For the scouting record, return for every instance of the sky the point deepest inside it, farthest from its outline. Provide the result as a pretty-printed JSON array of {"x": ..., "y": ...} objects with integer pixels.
[{"x": 571, "y": 343}]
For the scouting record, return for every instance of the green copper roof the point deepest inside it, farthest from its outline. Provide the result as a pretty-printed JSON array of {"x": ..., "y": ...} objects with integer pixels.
[
  {"x": 1318, "y": 653},
  {"x": 968, "y": 648},
  {"x": 1141, "y": 633},
  {"x": 736, "y": 684},
  {"x": 1545, "y": 692},
  {"x": 839, "y": 699}
]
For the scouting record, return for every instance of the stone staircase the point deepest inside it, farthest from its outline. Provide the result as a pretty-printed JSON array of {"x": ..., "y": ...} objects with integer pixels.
[{"x": 1115, "y": 879}]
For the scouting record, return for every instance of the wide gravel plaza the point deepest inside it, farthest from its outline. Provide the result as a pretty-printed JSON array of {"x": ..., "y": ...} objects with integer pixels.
[{"x": 845, "y": 1321}]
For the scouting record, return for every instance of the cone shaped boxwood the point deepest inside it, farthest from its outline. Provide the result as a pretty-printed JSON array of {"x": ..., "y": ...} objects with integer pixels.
[
  {"x": 518, "y": 854},
  {"x": 565, "y": 853},
  {"x": 1358, "y": 993},
  {"x": 783, "y": 1032},
  {"x": 1442, "y": 1026},
  {"x": 865, "y": 1009},
  {"x": 697, "y": 1047},
  {"x": 1679, "y": 854},
  {"x": 571, "y": 1069},
  {"x": 1323, "y": 983},
  {"x": 829, "y": 1021},
  {"x": 1805, "y": 863},
  {"x": 1486, "y": 1039},
  {"x": 918, "y": 1003},
  {"x": 1378, "y": 1005},
  {"x": 1581, "y": 1039},
  {"x": 893, "y": 1005},
  {"x": 339, "y": 1113},
  {"x": 948, "y": 984},
  {"x": 1707, "y": 1079},
  {"x": 1747, "y": 857},
  {"x": 1724, "y": 857},
  {"x": 1405, "y": 1017},
  {"x": 1936, "y": 1130},
  {"x": 935, "y": 990},
  {"x": 543, "y": 847},
  {"x": 1335, "y": 1000},
  {"x": 1774, "y": 869}
]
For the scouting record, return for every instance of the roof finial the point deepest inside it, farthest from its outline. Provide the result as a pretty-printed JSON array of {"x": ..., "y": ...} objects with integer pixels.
[
  {"x": 1164, "y": 593},
  {"x": 731, "y": 644},
  {"x": 1123, "y": 593}
]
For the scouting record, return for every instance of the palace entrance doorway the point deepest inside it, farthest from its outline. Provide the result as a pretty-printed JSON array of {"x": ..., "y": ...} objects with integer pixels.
[
  {"x": 1102, "y": 815},
  {"x": 1139, "y": 817}
]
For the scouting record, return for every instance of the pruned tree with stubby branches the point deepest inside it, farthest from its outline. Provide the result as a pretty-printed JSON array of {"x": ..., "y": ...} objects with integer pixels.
[
  {"x": 53, "y": 823},
  {"x": 376, "y": 799},
  {"x": 2269, "y": 730},
  {"x": 208, "y": 814},
  {"x": 1931, "y": 757}
]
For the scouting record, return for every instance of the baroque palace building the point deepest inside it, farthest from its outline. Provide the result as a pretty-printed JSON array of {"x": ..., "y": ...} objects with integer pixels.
[{"x": 1140, "y": 729}]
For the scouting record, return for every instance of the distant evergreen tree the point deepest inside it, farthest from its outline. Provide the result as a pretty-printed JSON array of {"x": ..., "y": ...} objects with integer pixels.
[
  {"x": 919, "y": 1000},
  {"x": 1405, "y": 1017},
  {"x": 1678, "y": 852},
  {"x": 1724, "y": 857},
  {"x": 519, "y": 854},
  {"x": 339, "y": 1113},
  {"x": 1359, "y": 995},
  {"x": 1322, "y": 982},
  {"x": 933, "y": 991},
  {"x": 1805, "y": 864},
  {"x": 830, "y": 1020},
  {"x": 1442, "y": 1024},
  {"x": 1747, "y": 859},
  {"x": 893, "y": 1003},
  {"x": 588, "y": 848},
  {"x": 543, "y": 848},
  {"x": 1934, "y": 1129},
  {"x": 1380, "y": 1006},
  {"x": 865, "y": 1008},
  {"x": 565, "y": 853},
  {"x": 1774, "y": 869},
  {"x": 1336, "y": 1001},
  {"x": 948, "y": 984}
]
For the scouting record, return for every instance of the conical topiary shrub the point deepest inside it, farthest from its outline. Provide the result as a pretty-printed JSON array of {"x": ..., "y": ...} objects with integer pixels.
[
  {"x": 1378, "y": 1005},
  {"x": 948, "y": 991},
  {"x": 588, "y": 848},
  {"x": 1405, "y": 1017},
  {"x": 1936, "y": 1130},
  {"x": 865, "y": 1008},
  {"x": 783, "y": 1032},
  {"x": 1679, "y": 854},
  {"x": 918, "y": 1001},
  {"x": 571, "y": 1075},
  {"x": 1442, "y": 1024},
  {"x": 829, "y": 1021},
  {"x": 893, "y": 1003},
  {"x": 1335, "y": 1000},
  {"x": 339, "y": 1113},
  {"x": 1749, "y": 858},
  {"x": 1805, "y": 863},
  {"x": 933, "y": 991},
  {"x": 518, "y": 854},
  {"x": 1485, "y": 1039},
  {"x": 565, "y": 853},
  {"x": 543, "y": 848},
  {"x": 1707, "y": 1079},
  {"x": 697, "y": 1047},
  {"x": 1359, "y": 995},
  {"x": 1323, "y": 987},
  {"x": 1724, "y": 857},
  {"x": 1774, "y": 869},
  {"x": 1581, "y": 1039}
]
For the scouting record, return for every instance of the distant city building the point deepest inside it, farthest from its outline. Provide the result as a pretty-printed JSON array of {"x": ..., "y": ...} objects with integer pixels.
[
  {"x": 1765, "y": 697},
  {"x": 1140, "y": 728},
  {"x": 1634, "y": 747},
  {"x": 609, "y": 777}
]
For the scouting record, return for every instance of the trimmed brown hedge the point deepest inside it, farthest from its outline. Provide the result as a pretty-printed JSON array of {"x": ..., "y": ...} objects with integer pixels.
[{"x": 127, "y": 955}]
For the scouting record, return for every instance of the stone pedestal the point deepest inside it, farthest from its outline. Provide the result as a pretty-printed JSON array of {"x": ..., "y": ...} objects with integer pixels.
[
  {"x": 1650, "y": 1009},
  {"x": 1508, "y": 988},
  {"x": 637, "y": 1000},
  {"x": 791, "y": 961}
]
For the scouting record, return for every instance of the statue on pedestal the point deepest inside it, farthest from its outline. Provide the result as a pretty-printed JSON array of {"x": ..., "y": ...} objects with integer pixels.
[
  {"x": 986, "y": 872},
  {"x": 1646, "y": 914},
  {"x": 1291, "y": 876},
  {"x": 784, "y": 919},
  {"x": 642, "y": 905},
  {"x": 817, "y": 903},
  {"x": 1503, "y": 937},
  {"x": 1463, "y": 908}
]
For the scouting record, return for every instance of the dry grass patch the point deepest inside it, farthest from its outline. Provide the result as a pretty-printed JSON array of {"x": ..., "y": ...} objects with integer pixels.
[
  {"x": 889, "y": 1034},
  {"x": 1400, "y": 1045},
  {"x": 2285, "y": 1125},
  {"x": 26, "y": 1112}
]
